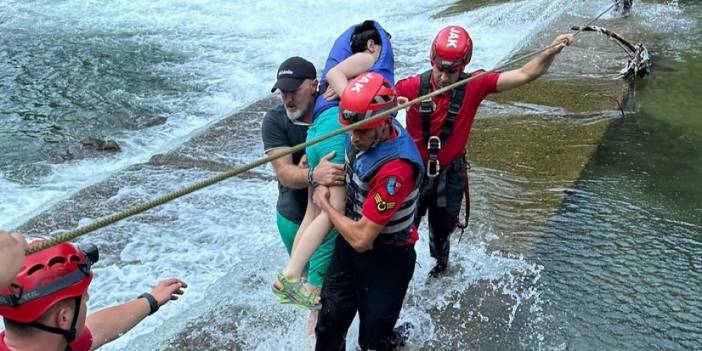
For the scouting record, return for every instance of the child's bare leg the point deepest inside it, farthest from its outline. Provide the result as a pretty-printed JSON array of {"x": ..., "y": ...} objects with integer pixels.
[
  {"x": 310, "y": 213},
  {"x": 309, "y": 240}
]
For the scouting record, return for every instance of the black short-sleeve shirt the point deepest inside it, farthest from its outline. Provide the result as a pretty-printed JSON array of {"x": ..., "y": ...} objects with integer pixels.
[{"x": 279, "y": 131}]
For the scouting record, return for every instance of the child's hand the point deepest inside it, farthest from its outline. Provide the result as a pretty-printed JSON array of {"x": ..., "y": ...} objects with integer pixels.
[{"x": 330, "y": 94}]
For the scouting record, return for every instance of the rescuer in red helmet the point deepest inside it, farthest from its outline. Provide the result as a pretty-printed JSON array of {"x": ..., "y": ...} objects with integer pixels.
[
  {"x": 374, "y": 255},
  {"x": 441, "y": 126},
  {"x": 44, "y": 308}
]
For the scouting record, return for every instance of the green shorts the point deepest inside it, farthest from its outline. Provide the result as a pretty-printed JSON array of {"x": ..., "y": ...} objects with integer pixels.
[
  {"x": 325, "y": 123},
  {"x": 319, "y": 262}
]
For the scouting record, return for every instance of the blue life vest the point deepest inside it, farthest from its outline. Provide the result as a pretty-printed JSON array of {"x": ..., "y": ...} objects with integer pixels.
[
  {"x": 341, "y": 50},
  {"x": 361, "y": 168}
]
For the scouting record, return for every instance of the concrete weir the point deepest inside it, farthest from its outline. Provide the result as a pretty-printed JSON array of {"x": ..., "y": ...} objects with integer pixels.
[
  {"x": 535, "y": 140},
  {"x": 528, "y": 148},
  {"x": 538, "y": 138},
  {"x": 214, "y": 150}
]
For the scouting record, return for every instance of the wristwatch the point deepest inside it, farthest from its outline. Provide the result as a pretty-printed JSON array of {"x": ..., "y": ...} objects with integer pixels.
[
  {"x": 153, "y": 304},
  {"x": 310, "y": 177}
]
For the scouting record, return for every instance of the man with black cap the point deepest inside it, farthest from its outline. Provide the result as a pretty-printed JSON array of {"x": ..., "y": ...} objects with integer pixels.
[{"x": 286, "y": 126}]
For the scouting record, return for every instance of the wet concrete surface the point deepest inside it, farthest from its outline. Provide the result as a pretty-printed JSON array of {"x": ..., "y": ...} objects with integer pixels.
[
  {"x": 214, "y": 150},
  {"x": 539, "y": 137}
]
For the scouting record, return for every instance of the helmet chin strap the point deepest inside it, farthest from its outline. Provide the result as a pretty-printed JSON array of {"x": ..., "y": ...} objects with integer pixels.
[
  {"x": 376, "y": 141},
  {"x": 69, "y": 334},
  {"x": 380, "y": 135}
]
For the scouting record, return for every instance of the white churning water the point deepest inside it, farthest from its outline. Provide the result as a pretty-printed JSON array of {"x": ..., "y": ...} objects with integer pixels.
[
  {"x": 232, "y": 50},
  {"x": 223, "y": 240}
]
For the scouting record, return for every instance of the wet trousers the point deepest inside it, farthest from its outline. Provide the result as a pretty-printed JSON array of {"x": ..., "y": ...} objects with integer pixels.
[
  {"x": 441, "y": 197},
  {"x": 372, "y": 284}
]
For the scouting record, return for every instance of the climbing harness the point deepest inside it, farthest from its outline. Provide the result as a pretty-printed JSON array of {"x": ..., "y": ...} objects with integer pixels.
[
  {"x": 426, "y": 109},
  {"x": 434, "y": 143}
]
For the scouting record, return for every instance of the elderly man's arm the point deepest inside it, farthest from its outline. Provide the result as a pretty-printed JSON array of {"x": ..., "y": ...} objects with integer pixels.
[
  {"x": 11, "y": 256},
  {"x": 110, "y": 323},
  {"x": 288, "y": 173},
  {"x": 296, "y": 176}
]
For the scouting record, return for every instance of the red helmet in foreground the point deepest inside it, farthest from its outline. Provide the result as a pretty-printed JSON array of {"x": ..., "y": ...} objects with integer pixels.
[
  {"x": 47, "y": 277},
  {"x": 451, "y": 49},
  {"x": 366, "y": 95}
]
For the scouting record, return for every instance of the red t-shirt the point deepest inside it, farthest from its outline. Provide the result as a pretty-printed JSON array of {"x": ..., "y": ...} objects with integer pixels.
[
  {"x": 388, "y": 189},
  {"x": 82, "y": 343},
  {"x": 476, "y": 92}
]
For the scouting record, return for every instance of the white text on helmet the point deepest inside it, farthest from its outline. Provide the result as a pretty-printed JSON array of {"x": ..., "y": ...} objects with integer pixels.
[
  {"x": 359, "y": 84},
  {"x": 454, "y": 34}
]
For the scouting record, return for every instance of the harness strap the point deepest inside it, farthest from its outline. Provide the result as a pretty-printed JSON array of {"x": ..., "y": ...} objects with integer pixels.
[
  {"x": 70, "y": 334},
  {"x": 463, "y": 166},
  {"x": 441, "y": 190},
  {"x": 439, "y": 182},
  {"x": 466, "y": 199},
  {"x": 426, "y": 107},
  {"x": 454, "y": 108}
]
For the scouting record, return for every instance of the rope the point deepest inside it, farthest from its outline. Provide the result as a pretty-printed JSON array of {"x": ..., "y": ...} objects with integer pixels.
[{"x": 118, "y": 216}]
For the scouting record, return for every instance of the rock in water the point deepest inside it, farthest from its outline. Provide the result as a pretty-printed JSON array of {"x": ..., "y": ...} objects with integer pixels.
[
  {"x": 86, "y": 148},
  {"x": 96, "y": 144}
]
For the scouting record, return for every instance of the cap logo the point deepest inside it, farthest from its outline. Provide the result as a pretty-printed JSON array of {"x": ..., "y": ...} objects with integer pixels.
[
  {"x": 454, "y": 34},
  {"x": 285, "y": 71},
  {"x": 360, "y": 83}
]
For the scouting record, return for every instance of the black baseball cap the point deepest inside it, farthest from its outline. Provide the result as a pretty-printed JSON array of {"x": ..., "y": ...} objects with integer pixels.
[{"x": 292, "y": 72}]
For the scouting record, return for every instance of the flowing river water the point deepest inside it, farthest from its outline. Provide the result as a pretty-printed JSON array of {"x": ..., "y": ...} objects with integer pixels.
[{"x": 615, "y": 264}]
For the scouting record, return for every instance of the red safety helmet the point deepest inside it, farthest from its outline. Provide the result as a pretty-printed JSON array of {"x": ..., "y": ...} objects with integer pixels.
[
  {"x": 366, "y": 95},
  {"x": 451, "y": 49},
  {"x": 48, "y": 277}
]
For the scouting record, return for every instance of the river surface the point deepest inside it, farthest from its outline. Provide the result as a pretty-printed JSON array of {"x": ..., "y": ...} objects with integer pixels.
[
  {"x": 617, "y": 267},
  {"x": 623, "y": 258}
]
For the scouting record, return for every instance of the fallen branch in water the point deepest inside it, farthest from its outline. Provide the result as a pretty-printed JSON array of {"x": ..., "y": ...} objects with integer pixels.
[{"x": 639, "y": 63}]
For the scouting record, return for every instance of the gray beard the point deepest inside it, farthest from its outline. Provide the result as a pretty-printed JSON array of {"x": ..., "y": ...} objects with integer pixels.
[{"x": 294, "y": 116}]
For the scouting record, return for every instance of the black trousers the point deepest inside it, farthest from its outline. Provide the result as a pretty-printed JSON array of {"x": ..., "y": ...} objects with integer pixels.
[
  {"x": 374, "y": 284},
  {"x": 443, "y": 213}
]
